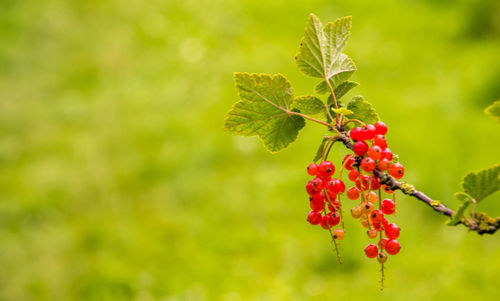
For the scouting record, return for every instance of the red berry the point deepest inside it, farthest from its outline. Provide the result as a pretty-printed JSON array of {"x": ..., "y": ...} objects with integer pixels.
[
  {"x": 375, "y": 185},
  {"x": 375, "y": 152},
  {"x": 387, "y": 189},
  {"x": 376, "y": 225},
  {"x": 334, "y": 220},
  {"x": 350, "y": 161},
  {"x": 377, "y": 216},
  {"x": 363, "y": 180},
  {"x": 368, "y": 164},
  {"x": 392, "y": 247},
  {"x": 353, "y": 193},
  {"x": 380, "y": 141},
  {"x": 392, "y": 231},
  {"x": 396, "y": 170},
  {"x": 314, "y": 217},
  {"x": 356, "y": 134},
  {"x": 371, "y": 251},
  {"x": 380, "y": 128},
  {"x": 383, "y": 164},
  {"x": 387, "y": 206},
  {"x": 314, "y": 186},
  {"x": 326, "y": 169},
  {"x": 336, "y": 186},
  {"x": 384, "y": 242},
  {"x": 368, "y": 132},
  {"x": 312, "y": 169},
  {"x": 387, "y": 154},
  {"x": 353, "y": 175},
  {"x": 316, "y": 205},
  {"x": 360, "y": 148}
]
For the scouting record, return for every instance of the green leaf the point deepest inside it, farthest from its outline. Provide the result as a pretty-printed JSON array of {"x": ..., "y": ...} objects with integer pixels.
[
  {"x": 494, "y": 110},
  {"x": 342, "y": 111},
  {"x": 319, "y": 152},
  {"x": 320, "y": 53},
  {"x": 482, "y": 183},
  {"x": 362, "y": 110},
  {"x": 263, "y": 110},
  {"x": 310, "y": 105},
  {"x": 466, "y": 201},
  {"x": 342, "y": 89}
]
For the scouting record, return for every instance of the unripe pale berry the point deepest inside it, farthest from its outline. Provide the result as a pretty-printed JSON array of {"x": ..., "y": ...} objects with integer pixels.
[
  {"x": 356, "y": 212},
  {"x": 372, "y": 233},
  {"x": 381, "y": 257},
  {"x": 338, "y": 234}
]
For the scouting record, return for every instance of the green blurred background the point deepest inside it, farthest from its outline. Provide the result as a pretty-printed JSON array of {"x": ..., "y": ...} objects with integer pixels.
[{"x": 117, "y": 181}]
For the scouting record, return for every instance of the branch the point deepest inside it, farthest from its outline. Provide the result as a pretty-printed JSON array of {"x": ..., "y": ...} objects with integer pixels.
[{"x": 481, "y": 223}]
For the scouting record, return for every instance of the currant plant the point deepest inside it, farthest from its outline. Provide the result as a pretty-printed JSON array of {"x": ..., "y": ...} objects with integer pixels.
[{"x": 269, "y": 109}]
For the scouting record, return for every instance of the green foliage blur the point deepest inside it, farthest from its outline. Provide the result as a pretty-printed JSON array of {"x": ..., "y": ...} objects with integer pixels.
[{"x": 117, "y": 181}]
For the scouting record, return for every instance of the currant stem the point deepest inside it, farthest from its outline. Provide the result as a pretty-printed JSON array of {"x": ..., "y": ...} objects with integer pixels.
[{"x": 354, "y": 120}]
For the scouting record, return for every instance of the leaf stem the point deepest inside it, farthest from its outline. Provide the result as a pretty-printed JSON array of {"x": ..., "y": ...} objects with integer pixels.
[{"x": 355, "y": 120}]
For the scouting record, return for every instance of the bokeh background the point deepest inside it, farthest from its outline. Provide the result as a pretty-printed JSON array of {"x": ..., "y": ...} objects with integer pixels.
[{"x": 117, "y": 181}]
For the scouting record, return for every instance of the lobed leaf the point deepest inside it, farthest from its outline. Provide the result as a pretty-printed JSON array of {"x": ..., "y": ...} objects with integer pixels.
[
  {"x": 362, "y": 110},
  {"x": 263, "y": 110},
  {"x": 310, "y": 105},
  {"x": 483, "y": 183},
  {"x": 342, "y": 89},
  {"x": 494, "y": 110},
  {"x": 320, "y": 53}
]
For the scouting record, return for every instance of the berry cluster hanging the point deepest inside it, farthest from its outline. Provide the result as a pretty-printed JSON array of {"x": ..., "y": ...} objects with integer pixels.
[{"x": 370, "y": 151}]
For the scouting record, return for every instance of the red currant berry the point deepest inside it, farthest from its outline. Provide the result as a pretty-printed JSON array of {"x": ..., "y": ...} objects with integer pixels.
[
  {"x": 326, "y": 169},
  {"x": 377, "y": 216},
  {"x": 371, "y": 251},
  {"x": 380, "y": 141},
  {"x": 336, "y": 186},
  {"x": 387, "y": 207},
  {"x": 387, "y": 189},
  {"x": 380, "y": 128},
  {"x": 348, "y": 161},
  {"x": 334, "y": 220},
  {"x": 387, "y": 154},
  {"x": 384, "y": 242},
  {"x": 392, "y": 231},
  {"x": 353, "y": 175},
  {"x": 368, "y": 132},
  {"x": 368, "y": 164},
  {"x": 312, "y": 169},
  {"x": 353, "y": 193},
  {"x": 396, "y": 170},
  {"x": 392, "y": 247},
  {"x": 376, "y": 226},
  {"x": 356, "y": 134},
  {"x": 316, "y": 205},
  {"x": 375, "y": 152},
  {"x": 365, "y": 181},
  {"x": 375, "y": 185},
  {"x": 360, "y": 148},
  {"x": 383, "y": 164},
  {"x": 338, "y": 234},
  {"x": 314, "y": 186},
  {"x": 314, "y": 217}
]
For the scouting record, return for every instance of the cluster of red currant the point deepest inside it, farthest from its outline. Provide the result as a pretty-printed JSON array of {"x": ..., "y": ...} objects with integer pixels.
[{"x": 370, "y": 153}]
